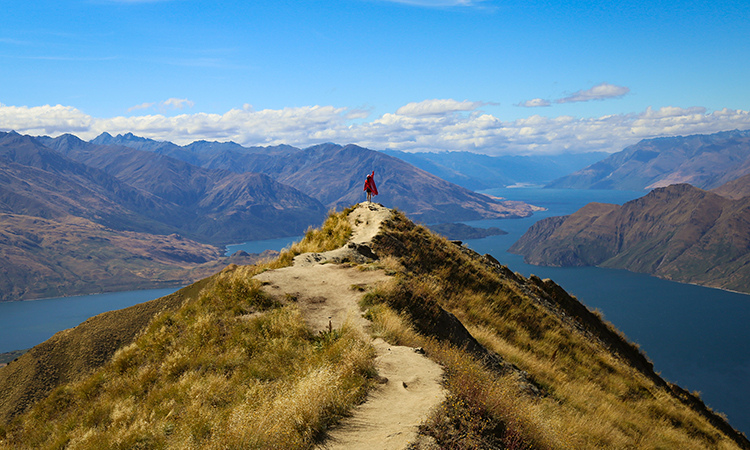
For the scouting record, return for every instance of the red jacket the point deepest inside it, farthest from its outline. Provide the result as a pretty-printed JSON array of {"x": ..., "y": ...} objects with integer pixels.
[{"x": 370, "y": 183}]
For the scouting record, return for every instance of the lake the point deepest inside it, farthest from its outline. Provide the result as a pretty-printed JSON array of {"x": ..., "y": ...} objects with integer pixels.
[
  {"x": 28, "y": 323},
  {"x": 697, "y": 337}
]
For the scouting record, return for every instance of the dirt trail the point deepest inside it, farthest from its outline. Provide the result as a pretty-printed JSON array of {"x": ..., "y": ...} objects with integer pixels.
[{"x": 324, "y": 291}]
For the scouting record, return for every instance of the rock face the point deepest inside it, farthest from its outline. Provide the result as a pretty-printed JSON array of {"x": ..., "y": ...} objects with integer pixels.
[
  {"x": 679, "y": 233},
  {"x": 704, "y": 161}
]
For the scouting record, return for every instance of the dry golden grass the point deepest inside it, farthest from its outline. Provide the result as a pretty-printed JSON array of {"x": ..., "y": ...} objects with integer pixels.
[
  {"x": 334, "y": 233},
  {"x": 232, "y": 369},
  {"x": 590, "y": 398}
]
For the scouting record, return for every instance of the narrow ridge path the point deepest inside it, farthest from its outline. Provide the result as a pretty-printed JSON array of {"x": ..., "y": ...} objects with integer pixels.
[{"x": 323, "y": 290}]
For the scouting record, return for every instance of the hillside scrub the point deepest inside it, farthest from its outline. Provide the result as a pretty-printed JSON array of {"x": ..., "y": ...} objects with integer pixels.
[
  {"x": 230, "y": 369},
  {"x": 572, "y": 389}
]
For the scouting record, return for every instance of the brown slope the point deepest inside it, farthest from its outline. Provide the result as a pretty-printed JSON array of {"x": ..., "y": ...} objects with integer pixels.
[
  {"x": 41, "y": 258},
  {"x": 735, "y": 189},
  {"x": 680, "y": 233},
  {"x": 37, "y": 181}
]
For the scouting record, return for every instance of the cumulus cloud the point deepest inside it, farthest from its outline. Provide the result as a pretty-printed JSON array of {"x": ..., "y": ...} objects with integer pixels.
[
  {"x": 601, "y": 91},
  {"x": 44, "y": 120},
  {"x": 534, "y": 103},
  {"x": 432, "y": 125},
  {"x": 436, "y": 107}
]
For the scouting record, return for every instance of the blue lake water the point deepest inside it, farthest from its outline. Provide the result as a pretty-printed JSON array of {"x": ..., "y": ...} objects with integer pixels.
[
  {"x": 697, "y": 337},
  {"x": 261, "y": 246},
  {"x": 28, "y": 323}
]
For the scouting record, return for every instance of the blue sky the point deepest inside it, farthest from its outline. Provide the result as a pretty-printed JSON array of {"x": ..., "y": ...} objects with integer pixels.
[{"x": 494, "y": 77}]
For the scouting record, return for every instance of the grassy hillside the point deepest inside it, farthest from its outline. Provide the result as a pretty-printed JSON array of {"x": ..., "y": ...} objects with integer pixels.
[{"x": 527, "y": 366}]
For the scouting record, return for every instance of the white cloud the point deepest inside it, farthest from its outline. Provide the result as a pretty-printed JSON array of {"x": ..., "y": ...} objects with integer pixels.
[
  {"x": 436, "y": 107},
  {"x": 599, "y": 92},
  {"x": 177, "y": 103},
  {"x": 141, "y": 106},
  {"x": 44, "y": 120},
  {"x": 433, "y": 125},
  {"x": 166, "y": 105},
  {"x": 534, "y": 103}
]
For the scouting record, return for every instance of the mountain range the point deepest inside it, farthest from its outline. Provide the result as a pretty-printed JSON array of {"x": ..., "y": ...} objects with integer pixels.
[
  {"x": 704, "y": 161},
  {"x": 334, "y": 175},
  {"x": 679, "y": 232},
  {"x": 71, "y": 228},
  {"x": 215, "y": 206},
  {"x": 477, "y": 172},
  {"x": 84, "y": 217}
]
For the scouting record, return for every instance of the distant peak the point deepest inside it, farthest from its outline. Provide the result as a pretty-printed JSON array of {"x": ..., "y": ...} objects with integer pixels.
[{"x": 102, "y": 139}]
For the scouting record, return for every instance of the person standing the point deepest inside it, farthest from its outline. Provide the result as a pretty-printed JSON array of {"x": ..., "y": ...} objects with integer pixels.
[{"x": 370, "y": 187}]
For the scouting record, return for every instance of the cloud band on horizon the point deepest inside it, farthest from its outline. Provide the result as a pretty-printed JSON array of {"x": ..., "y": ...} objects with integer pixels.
[{"x": 432, "y": 125}]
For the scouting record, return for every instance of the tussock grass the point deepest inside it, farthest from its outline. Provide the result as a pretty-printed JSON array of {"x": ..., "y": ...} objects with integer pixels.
[
  {"x": 230, "y": 369},
  {"x": 334, "y": 233},
  {"x": 589, "y": 397},
  {"x": 484, "y": 409}
]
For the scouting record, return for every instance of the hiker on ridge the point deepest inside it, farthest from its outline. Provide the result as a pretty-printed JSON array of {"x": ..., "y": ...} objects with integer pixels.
[{"x": 370, "y": 186}]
